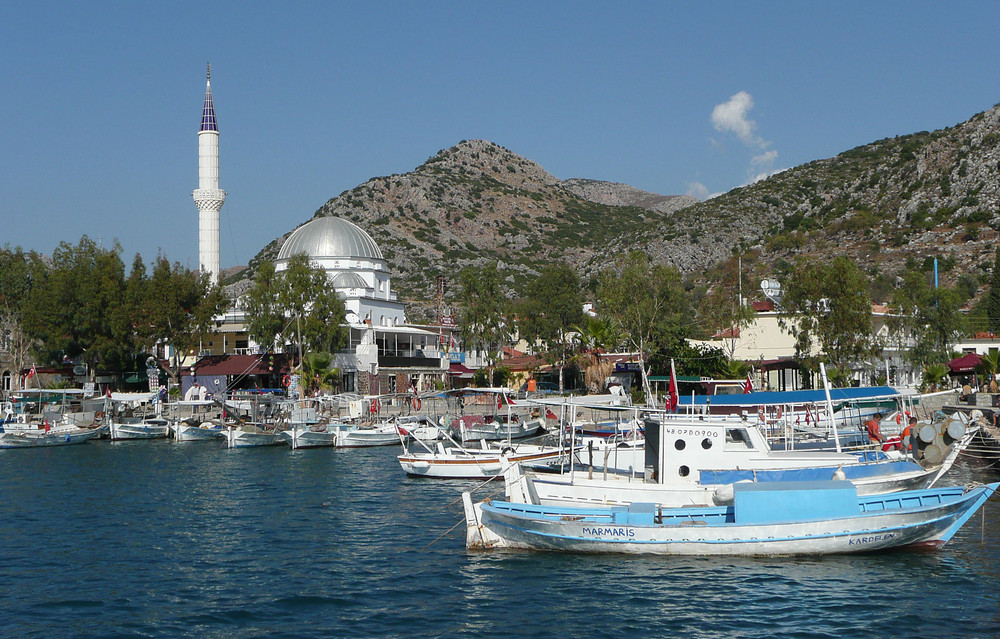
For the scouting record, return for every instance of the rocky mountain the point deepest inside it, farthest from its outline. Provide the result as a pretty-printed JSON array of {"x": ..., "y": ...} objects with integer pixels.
[
  {"x": 911, "y": 197},
  {"x": 884, "y": 203},
  {"x": 478, "y": 201}
]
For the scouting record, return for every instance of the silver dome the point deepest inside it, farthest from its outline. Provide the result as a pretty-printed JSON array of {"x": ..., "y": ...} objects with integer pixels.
[
  {"x": 348, "y": 280},
  {"x": 330, "y": 237}
]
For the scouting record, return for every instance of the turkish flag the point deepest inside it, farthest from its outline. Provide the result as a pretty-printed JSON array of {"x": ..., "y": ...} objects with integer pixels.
[{"x": 674, "y": 398}]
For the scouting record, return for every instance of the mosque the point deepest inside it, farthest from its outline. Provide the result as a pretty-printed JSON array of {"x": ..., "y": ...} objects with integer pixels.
[{"x": 385, "y": 354}]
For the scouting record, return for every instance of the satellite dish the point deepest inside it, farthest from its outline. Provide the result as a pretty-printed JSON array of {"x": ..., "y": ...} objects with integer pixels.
[{"x": 772, "y": 290}]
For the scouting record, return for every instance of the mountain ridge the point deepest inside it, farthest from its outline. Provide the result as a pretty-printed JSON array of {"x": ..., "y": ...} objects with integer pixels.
[{"x": 883, "y": 203}]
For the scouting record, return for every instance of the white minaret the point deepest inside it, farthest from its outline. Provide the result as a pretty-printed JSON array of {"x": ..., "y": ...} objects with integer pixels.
[{"x": 208, "y": 197}]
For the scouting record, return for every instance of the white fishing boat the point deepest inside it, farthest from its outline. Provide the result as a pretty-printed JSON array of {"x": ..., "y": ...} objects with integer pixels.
[
  {"x": 196, "y": 420},
  {"x": 449, "y": 460},
  {"x": 135, "y": 416},
  {"x": 419, "y": 427},
  {"x": 256, "y": 420},
  {"x": 471, "y": 428},
  {"x": 250, "y": 434},
  {"x": 809, "y": 518},
  {"x": 688, "y": 461},
  {"x": 51, "y": 417},
  {"x": 341, "y": 435},
  {"x": 31, "y": 436}
]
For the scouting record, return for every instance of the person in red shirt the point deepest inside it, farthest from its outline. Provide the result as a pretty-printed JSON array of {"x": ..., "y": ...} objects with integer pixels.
[{"x": 874, "y": 432}]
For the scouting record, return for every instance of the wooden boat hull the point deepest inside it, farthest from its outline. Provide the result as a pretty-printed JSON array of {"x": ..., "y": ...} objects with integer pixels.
[
  {"x": 239, "y": 438},
  {"x": 912, "y": 518},
  {"x": 188, "y": 433},
  {"x": 38, "y": 438}
]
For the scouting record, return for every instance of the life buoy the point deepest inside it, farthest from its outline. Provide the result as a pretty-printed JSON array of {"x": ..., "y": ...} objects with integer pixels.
[
  {"x": 286, "y": 380},
  {"x": 760, "y": 413},
  {"x": 899, "y": 418},
  {"x": 779, "y": 412},
  {"x": 416, "y": 404}
]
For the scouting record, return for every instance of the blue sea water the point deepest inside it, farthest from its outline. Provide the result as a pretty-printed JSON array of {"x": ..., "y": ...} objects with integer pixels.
[{"x": 157, "y": 539}]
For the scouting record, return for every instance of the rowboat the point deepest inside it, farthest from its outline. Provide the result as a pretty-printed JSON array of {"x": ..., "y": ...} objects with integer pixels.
[{"x": 808, "y": 518}]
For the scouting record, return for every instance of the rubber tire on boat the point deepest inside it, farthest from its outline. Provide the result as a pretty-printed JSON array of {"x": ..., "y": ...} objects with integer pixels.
[{"x": 506, "y": 449}]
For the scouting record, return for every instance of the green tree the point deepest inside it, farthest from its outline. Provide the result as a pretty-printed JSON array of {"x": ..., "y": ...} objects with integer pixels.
[
  {"x": 297, "y": 307},
  {"x": 827, "y": 304},
  {"x": 724, "y": 309},
  {"x": 175, "y": 305},
  {"x": 19, "y": 272},
  {"x": 926, "y": 318},
  {"x": 483, "y": 313},
  {"x": 75, "y": 308},
  {"x": 648, "y": 304},
  {"x": 547, "y": 314}
]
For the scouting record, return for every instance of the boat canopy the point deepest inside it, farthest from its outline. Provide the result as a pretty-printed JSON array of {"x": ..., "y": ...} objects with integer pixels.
[{"x": 795, "y": 398}]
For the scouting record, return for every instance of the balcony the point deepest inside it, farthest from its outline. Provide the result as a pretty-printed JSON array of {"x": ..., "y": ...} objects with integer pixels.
[{"x": 405, "y": 361}]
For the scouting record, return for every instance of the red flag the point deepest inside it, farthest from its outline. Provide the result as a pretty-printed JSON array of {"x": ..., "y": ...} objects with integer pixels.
[
  {"x": 109, "y": 392},
  {"x": 748, "y": 386},
  {"x": 31, "y": 373},
  {"x": 550, "y": 415},
  {"x": 674, "y": 399}
]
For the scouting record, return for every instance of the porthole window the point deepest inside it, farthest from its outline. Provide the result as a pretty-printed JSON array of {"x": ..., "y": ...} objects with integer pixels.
[
  {"x": 679, "y": 444},
  {"x": 683, "y": 471},
  {"x": 706, "y": 443}
]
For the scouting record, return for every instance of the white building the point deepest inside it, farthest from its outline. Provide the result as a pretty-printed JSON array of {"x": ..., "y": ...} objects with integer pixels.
[{"x": 384, "y": 355}]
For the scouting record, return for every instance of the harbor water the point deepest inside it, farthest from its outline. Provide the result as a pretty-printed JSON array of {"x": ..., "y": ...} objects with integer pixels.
[{"x": 158, "y": 539}]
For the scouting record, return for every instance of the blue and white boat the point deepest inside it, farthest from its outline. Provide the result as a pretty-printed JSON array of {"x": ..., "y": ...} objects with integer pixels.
[
  {"x": 695, "y": 462},
  {"x": 764, "y": 519}
]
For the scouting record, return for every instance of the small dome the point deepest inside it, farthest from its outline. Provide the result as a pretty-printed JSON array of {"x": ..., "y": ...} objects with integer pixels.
[
  {"x": 330, "y": 237},
  {"x": 348, "y": 280}
]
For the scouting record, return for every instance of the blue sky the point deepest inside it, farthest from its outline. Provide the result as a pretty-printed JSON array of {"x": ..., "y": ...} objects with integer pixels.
[{"x": 102, "y": 100}]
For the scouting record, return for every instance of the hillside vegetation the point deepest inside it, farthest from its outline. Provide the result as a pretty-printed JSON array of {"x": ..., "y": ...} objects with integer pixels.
[{"x": 896, "y": 200}]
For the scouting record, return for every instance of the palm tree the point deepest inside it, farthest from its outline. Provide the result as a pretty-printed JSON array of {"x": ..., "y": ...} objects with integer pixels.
[
  {"x": 317, "y": 372},
  {"x": 989, "y": 364},
  {"x": 934, "y": 375},
  {"x": 595, "y": 335}
]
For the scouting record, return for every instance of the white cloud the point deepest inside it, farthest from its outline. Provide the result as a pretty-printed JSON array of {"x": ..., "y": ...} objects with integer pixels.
[
  {"x": 698, "y": 190},
  {"x": 732, "y": 116},
  {"x": 764, "y": 160}
]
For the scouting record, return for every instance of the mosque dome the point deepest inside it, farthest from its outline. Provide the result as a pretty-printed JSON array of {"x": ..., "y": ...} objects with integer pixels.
[
  {"x": 348, "y": 280},
  {"x": 330, "y": 237}
]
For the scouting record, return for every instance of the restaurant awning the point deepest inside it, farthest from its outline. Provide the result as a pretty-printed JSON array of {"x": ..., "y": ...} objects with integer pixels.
[
  {"x": 965, "y": 364},
  {"x": 460, "y": 370}
]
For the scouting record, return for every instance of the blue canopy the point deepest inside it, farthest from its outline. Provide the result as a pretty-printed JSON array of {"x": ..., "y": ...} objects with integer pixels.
[{"x": 799, "y": 397}]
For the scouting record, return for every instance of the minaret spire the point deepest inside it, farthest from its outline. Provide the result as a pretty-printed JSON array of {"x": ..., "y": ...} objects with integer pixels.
[{"x": 208, "y": 197}]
